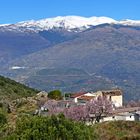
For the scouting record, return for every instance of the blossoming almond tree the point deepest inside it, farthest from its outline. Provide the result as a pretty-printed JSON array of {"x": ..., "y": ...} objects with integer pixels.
[
  {"x": 53, "y": 108},
  {"x": 77, "y": 113},
  {"x": 98, "y": 107},
  {"x": 93, "y": 110}
]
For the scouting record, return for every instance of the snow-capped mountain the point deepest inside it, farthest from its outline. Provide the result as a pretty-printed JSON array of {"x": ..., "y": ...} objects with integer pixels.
[
  {"x": 66, "y": 22},
  {"x": 130, "y": 22}
]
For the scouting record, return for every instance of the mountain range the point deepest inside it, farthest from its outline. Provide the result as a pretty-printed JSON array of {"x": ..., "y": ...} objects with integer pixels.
[
  {"x": 65, "y": 22},
  {"x": 73, "y": 53}
]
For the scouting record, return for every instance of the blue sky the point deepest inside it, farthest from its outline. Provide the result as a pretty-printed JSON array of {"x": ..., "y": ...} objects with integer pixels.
[{"x": 12, "y": 11}]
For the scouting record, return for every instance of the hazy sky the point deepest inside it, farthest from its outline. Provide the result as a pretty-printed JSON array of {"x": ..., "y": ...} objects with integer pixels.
[{"x": 12, "y": 11}]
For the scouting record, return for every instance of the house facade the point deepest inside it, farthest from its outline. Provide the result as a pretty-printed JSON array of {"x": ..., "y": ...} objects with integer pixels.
[
  {"x": 115, "y": 96},
  {"x": 124, "y": 114},
  {"x": 82, "y": 96}
]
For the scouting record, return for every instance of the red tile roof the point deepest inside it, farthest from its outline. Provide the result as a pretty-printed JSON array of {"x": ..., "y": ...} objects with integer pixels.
[
  {"x": 87, "y": 98},
  {"x": 77, "y": 94}
]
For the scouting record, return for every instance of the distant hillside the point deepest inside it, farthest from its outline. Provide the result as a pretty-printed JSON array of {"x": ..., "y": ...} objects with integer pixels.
[
  {"x": 12, "y": 90},
  {"x": 68, "y": 80},
  {"x": 106, "y": 53},
  {"x": 14, "y": 44}
]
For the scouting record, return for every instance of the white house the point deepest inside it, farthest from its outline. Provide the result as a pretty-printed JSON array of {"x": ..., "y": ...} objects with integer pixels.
[
  {"x": 82, "y": 96},
  {"x": 115, "y": 96},
  {"x": 126, "y": 114}
]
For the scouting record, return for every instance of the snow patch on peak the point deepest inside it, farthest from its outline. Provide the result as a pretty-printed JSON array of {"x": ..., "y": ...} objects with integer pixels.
[
  {"x": 130, "y": 22},
  {"x": 101, "y": 20},
  {"x": 67, "y": 22},
  {"x": 2, "y": 25}
]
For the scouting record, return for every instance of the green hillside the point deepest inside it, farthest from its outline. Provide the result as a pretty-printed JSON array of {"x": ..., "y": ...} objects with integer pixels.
[{"x": 12, "y": 90}]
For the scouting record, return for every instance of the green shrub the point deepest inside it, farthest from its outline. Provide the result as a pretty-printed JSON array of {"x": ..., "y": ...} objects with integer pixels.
[
  {"x": 3, "y": 119},
  {"x": 55, "y": 94},
  {"x": 51, "y": 128}
]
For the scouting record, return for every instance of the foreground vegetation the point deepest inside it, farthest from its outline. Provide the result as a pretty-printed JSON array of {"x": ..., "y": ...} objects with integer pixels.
[
  {"x": 118, "y": 130},
  {"x": 17, "y": 120},
  {"x": 50, "y": 128},
  {"x": 60, "y": 128}
]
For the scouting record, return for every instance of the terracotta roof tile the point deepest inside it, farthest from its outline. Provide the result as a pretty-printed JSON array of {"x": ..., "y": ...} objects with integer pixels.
[
  {"x": 77, "y": 94},
  {"x": 87, "y": 98}
]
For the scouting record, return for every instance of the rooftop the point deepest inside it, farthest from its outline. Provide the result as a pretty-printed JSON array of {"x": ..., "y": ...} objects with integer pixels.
[
  {"x": 116, "y": 92},
  {"x": 122, "y": 110},
  {"x": 87, "y": 98},
  {"x": 77, "y": 94}
]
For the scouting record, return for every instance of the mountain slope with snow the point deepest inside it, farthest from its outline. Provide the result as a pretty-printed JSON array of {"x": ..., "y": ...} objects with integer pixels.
[
  {"x": 66, "y": 22},
  {"x": 130, "y": 22}
]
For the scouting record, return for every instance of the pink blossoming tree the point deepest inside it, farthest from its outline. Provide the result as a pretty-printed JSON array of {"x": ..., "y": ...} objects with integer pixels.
[{"x": 92, "y": 110}]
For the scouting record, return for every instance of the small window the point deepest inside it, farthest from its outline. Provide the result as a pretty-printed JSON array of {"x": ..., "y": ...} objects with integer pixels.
[
  {"x": 113, "y": 117},
  {"x": 130, "y": 116}
]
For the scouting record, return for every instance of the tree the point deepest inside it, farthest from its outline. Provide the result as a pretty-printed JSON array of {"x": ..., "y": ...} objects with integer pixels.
[
  {"x": 50, "y": 128},
  {"x": 53, "y": 108},
  {"x": 93, "y": 110},
  {"x": 98, "y": 107},
  {"x": 55, "y": 94},
  {"x": 77, "y": 113}
]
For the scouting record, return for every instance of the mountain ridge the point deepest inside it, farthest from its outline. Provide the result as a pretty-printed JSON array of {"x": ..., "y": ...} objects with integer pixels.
[{"x": 66, "y": 22}]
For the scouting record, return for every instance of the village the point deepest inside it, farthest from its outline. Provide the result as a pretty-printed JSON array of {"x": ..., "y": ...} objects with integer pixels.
[{"x": 108, "y": 106}]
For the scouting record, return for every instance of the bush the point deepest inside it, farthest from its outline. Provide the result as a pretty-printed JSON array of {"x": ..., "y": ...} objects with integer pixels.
[
  {"x": 51, "y": 128},
  {"x": 3, "y": 119},
  {"x": 55, "y": 94}
]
